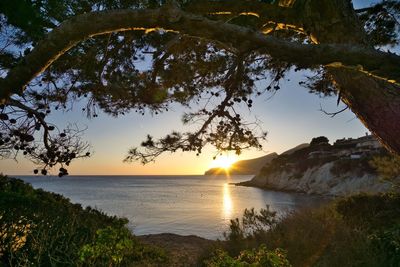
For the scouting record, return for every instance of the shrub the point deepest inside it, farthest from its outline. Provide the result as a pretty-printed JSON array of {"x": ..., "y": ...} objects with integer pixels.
[
  {"x": 39, "y": 228},
  {"x": 308, "y": 163},
  {"x": 249, "y": 229},
  {"x": 356, "y": 166},
  {"x": 361, "y": 230},
  {"x": 109, "y": 247},
  {"x": 319, "y": 140},
  {"x": 371, "y": 212},
  {"x": 388, "y": 167},
  {"x": 255, "y": 257}
]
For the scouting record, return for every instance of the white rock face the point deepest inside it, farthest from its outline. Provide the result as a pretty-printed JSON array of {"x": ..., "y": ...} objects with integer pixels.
[{"x": 320, "y": 180}]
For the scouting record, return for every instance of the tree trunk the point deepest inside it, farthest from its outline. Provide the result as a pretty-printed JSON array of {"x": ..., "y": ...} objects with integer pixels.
[{"x": 375, "y": 101}]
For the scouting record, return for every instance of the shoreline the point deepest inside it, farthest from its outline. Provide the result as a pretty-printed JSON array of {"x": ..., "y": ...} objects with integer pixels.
[
  {"x": 289, "y": 191},
  {"x": 328, "y": 186}
]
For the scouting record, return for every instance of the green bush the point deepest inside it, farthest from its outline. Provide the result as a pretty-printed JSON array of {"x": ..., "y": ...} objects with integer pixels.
[
  {"x": 109, "y": 247},
  {"x": 39, "y": 228}
]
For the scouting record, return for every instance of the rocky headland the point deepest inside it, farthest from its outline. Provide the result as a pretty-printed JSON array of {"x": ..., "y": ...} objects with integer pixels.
[{"x": 341, "y": 169}]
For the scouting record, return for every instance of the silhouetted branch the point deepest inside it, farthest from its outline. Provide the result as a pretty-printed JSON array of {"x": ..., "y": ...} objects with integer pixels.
[
  {"x": 97, "y": 23},
  {"x": 18, "y": 134},
  {"x": 332, "y": 114},
  {"x": 221, "y": 127}
]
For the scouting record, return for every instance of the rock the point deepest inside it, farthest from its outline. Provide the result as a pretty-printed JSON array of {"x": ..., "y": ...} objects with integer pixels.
[{"x": 320, "y": 180}]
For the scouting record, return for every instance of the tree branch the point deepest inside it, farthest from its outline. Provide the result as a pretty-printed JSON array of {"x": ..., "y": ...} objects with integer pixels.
[
  {"x": 332, "y": 114},
  {"x": 38, "y": 116},
  {"x": 266, "y": 12},
  {"x": 380, "y": 64}
]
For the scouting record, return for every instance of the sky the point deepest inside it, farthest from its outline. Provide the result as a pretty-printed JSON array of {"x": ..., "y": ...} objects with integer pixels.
[{"x": 291, "y": 116}]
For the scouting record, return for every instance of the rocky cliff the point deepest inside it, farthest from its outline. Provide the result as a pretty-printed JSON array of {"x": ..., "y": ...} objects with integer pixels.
[
  {"x": 320, "y": 180},
  {"x": 325, "y": 174}
]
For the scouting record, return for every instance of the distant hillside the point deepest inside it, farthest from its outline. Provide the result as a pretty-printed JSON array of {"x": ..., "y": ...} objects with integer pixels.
[
  {"x": 294, "y": 149},
  {"x": 244, "y": 167}
]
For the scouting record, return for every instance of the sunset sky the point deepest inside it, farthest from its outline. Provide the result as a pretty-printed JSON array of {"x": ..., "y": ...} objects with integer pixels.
[{"x": 291, "y": 117}]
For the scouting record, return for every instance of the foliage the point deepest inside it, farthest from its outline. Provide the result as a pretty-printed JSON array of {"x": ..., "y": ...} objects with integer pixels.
[
  {"x": 116, "y": 247},
  {"x": 255, "y": 257},
  {"x": 372, "y": 212},
  {"x": 382, "y": 22},
  {"x": 388, "y": 241},
  {"x": 309, "y": 163},
  {"x": 44, "y": 229},
  {"x": 104, "y": 71},
  {"x": 378, "y": 217},
  {"x": 109, "y": 247},
  {"x": 388, "y": 167},
  {"x": 359, "y": 166},
  {"x": 253, "y": 223},
  {"x": 361, "y": 230},
  {"x": 319, "y": 140}
]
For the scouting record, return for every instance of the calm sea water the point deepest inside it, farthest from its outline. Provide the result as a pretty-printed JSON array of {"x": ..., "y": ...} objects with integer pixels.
[{"x": 185, "y": 205}]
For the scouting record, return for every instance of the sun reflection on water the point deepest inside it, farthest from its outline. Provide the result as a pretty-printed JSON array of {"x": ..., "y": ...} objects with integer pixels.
[{"x": 227, "y": 207}]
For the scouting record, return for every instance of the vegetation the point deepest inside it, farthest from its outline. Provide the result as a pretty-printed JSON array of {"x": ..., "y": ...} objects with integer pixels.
[
  {"x": 384, "y": 164},
  {"x": 299, "y": 161},
  {"x": 358, "y": 167},
  {"x": 387, "y": 166},
  {"x": 380, "y": 162},
  {"x": 214, "y": 55},
  {"x": 254, "y": 257},
  {"x": 44, "y": 229},
  {"x": 39, "y": 228},
  {"x": 362, "y": 230},
  {"x": 319, "y": 140}
]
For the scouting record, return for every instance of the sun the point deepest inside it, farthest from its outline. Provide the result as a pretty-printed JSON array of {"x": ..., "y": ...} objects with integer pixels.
[{"x": 224, "y": 162}]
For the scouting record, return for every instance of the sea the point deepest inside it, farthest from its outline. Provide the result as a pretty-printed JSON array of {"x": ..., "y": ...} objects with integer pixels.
[{"x": 185, "y": 205}]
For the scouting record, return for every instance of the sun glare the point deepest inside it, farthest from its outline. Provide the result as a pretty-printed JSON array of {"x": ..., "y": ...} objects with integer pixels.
[{"x": 224, "y": 161}]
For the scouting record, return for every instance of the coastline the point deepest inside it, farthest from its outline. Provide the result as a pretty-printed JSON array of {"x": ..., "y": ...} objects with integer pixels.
[
  {"x": 291, "y": 191},
  {"x": 288, "y": 191},
  {"x": 320, "y": 181},
  {"x": 322, "y": 193}
]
